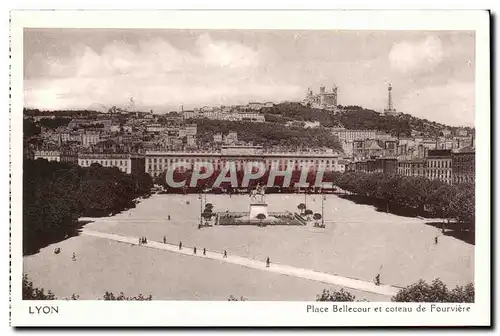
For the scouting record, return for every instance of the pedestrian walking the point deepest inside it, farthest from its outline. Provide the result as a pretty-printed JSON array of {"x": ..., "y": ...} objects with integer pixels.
[
  {"x": 145, "y": 240},
  {"x": 74, "y": 257},
  {"x": 180, "y": 245},
  {"x": 436, "y": 240},
  {"x": 268, "y": 262},
  {"x": 204, "y": 251},
  {"x": 164, "y": 240},
  {"x": 225, "y": 254},
  {"x": 194, "y": 250},
  {"x": 168, "y": 217},
  {"x": 140, "y": 240}
]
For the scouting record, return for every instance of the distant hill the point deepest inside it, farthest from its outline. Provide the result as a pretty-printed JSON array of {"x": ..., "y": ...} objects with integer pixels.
[
  {"x": 354, "y": 117},
  {"x": 98, "y": 108}
]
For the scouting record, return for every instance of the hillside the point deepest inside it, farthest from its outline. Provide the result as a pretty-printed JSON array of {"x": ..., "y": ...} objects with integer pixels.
[
  {"x": 354, "y": 117},
  {"x": 268, "y": 134}
]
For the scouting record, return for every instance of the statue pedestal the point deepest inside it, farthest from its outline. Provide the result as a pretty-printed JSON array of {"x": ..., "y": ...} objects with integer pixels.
[{"x": 257, "y": 208}]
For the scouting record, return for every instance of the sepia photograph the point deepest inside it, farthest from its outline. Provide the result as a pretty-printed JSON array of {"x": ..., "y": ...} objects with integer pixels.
[{"x": 331, "y": 166}]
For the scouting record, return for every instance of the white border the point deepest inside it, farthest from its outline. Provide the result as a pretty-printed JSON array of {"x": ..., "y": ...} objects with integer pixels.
[{"x": 165, "y": 313}]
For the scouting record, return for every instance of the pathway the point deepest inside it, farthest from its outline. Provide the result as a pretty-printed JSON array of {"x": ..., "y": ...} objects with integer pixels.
[{"x": 256, "y": 264}]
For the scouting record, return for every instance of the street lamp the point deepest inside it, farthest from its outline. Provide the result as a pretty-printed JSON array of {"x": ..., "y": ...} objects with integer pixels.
[
  {"x": 323, "y": 198},
  {"x": 200, "y": 197},
  {"x": 305, "y": 197}
]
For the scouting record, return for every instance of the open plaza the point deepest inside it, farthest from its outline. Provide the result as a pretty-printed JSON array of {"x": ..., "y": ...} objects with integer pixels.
[{"x": 358, "y": 242}]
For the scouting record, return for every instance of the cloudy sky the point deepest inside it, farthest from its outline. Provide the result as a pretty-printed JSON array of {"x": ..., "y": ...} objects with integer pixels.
[{"x": 432, "y": 73}]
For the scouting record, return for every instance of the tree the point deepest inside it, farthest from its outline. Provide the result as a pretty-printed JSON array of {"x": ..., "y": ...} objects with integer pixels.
[
  {"x": 301, "y": 207},
  {"x": 308, "y": 213},
  {"x": 32, "y": 293},
  {"x": 417, "y": 292},
  {"x": 317, "y": 217},
  {"x": 207, "y": 215},
  {"x": 336, "y": 296},
  {"x": 261, "y": 217},
  {"x": 436, "y": 292},
  {"x": 234, "y": 298},
  {"x": 55, "y": 194},
  {"x": 109, "y": 296}
]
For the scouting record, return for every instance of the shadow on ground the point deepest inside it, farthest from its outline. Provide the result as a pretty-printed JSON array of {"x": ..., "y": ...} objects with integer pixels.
[
  {"x": 381, "y": 206},
  {"x": 452, "y": 230},
  {"x": 32, "y": 245},
  {"x": 466, "y": 236}
]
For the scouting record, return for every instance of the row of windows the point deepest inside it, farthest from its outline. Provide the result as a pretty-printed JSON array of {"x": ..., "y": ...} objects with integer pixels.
[
  {"x": 49, "y": 158},
  {"x": 463, "y": 178},
  {"x": 165, "y": 160},
  {"x": 106, "y": 163},
  {"x": 154, "y": 167},
  {"x": 435, "y": 174},
  {"x": 439, "y": 164}
]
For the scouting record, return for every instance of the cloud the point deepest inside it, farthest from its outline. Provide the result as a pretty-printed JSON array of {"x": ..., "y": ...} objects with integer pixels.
[
  {"x": 154, "y": 57},
  {"x": 153, "y": 71},
  {"x": 226, "y": 54},
  {"x": 450, "y": 104},
  {"x": 419, "y": 56}
]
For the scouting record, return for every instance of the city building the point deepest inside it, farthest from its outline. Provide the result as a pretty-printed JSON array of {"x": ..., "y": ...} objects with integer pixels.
[
  {"x": 255, "y": 105},
  {"x": 342, "y": 165},
  {"x": 375, "y": 165},
  {"x": 127, "y": 163},
  {"x": 463, "y": 164},
  {"x": 114, "y": 128},
  {"x": 158, "y": 161},
  {"x": 251, "y": 116},
  {"x": 56, "y": 155},
  {"x": 348, "y": 135},
  {"x": 371, "y": 148},
  {"x": 415, "y": 168},
  {"x": 188, "y": 129},
  {"x": 191, "y": 141},
  {"x": 445, "y": 132},
  {"x": 311, "y": 124},
  {"x": 462, "y": 132},
  {"x": 321, "y": 100},
  {"x": 268, "y": 104},
  {"x": 231, "y": 138},
  {"x": 218, "y": 138},
  {"x": 439, "y": 165},
  {"x": 90, "y": 138},
  {"x": 155, "y": 128}
]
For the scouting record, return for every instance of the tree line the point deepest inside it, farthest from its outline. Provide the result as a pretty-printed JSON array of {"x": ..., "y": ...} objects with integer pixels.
[
  {"x": 56, "y": 194},
  {"x": 420, "y": 291},
  {"x": 30, "y": 292},
  {"x": 420, "y": 194}
]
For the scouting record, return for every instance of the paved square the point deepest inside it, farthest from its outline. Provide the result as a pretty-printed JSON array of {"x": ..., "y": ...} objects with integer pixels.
[{"x": 358, "y": 242}]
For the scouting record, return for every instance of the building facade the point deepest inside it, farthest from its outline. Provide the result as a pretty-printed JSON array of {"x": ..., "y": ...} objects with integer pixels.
[
  {"x": 323, "y": 99},
  {"x": 56, "y": 155},
  {"x": 415, "y": 168},
  {"x": 127, "y": 163},
  {"x": 348, "y": 135},
  {"x": 374, "y": 148},
  {"x": 464, "y": 166},
  {"x": 376, "y": 165},
  {"x": 439, "y": 165},
  {"x": 157, "y": 162}
]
